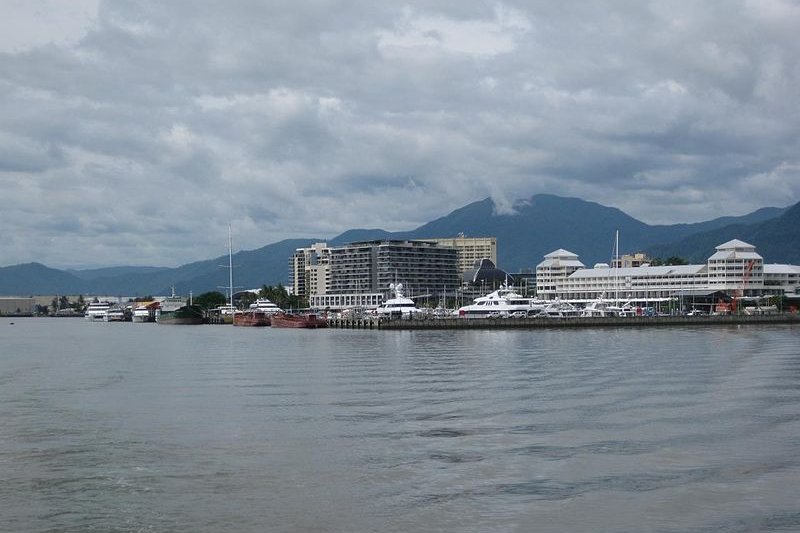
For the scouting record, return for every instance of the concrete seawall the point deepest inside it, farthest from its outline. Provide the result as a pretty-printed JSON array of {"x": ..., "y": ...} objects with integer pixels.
[{"x": 535, "y": 323}]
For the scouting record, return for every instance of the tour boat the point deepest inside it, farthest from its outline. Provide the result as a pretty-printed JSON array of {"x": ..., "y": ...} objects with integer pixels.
[
  {"x": 98, "y": 311},
  {"x": 116, "y": 314}
]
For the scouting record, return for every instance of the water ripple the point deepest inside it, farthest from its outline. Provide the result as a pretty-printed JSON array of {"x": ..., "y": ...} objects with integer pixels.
[{"x": 215, "y": 428}]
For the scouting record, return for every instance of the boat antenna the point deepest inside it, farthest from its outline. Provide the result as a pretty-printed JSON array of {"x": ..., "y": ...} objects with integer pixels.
[{"x": 616, "y": 268}]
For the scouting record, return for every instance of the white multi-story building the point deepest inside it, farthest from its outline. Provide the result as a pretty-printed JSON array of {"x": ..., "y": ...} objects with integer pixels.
[
  {"x": 359, "y": 274},
  {"x": 366, "y": 300},
  {"x": 470, "y": 249},
  {"x": 735, "y": 269},
  {"x": 783, "y": 277},
  {"x": 310, "y": 270},
  {"x": 371, "y": 266},
  {"x": 556, "y": 267}
]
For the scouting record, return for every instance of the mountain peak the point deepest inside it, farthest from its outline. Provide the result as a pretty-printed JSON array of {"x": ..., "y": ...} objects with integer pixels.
[{"x": 537, "y": 226}]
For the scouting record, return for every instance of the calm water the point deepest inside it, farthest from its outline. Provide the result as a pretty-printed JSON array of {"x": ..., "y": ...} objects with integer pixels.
[{"x": 141, "y": 427}]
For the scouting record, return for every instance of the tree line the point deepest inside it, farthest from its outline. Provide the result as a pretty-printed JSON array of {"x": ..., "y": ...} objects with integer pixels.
[{"x": 276, "y": 294}]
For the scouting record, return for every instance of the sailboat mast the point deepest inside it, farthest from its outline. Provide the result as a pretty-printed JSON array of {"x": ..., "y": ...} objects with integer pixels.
[
  {"x": 616, "y": 268},
  {"x": 230, "y": 264}
]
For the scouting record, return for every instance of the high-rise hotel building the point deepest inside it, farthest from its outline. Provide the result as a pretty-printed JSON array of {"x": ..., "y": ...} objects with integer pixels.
[
  {"x": 470, "y": 250},
  {"x": 309, "y": 270},
  {"x": 421, "y": 266},
  {"x": 359, "y": 273}
]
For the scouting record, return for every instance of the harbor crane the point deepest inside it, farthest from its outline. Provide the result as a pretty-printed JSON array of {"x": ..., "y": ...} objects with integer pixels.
[{"x": 739, "y": 293}]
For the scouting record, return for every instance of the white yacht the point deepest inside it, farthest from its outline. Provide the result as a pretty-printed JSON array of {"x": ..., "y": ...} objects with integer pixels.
[
  {"x": 399, "y": 306},
  {"x": 225, "y": 310},
  {"x": 504, "y": 302},
  {"x": 559, "y": 309},
  {"x": 264, "y": 305},
  {"x": 603, "y": 307},
  {"x": 98, "y": 311}
]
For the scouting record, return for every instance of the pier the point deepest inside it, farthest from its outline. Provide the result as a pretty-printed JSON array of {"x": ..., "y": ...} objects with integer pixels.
[
  {"x": 356, "y": 323},
  {"x": 571, "y": 322}
]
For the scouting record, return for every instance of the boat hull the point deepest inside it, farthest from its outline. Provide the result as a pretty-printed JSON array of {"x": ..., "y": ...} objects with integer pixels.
[
  {"x": 291, "y": 320},
  {"x": 251, "y": 319},
  {"x": 144, "y": 315},
  {"x": 186, "y": 315}
]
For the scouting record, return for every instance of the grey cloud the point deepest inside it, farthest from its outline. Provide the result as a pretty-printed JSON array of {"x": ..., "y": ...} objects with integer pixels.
[{"x": 305, "y": 120}]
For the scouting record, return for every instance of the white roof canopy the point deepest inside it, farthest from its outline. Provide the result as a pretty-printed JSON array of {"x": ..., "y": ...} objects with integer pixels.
[{"x": 736, "y": 244}]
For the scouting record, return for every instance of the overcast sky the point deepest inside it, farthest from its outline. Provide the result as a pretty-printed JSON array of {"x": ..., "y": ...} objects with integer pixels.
[{"x": 132, "y": 132}]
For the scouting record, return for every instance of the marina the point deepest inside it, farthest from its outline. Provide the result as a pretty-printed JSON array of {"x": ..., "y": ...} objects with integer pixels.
[{"x": 561, "y": 323}]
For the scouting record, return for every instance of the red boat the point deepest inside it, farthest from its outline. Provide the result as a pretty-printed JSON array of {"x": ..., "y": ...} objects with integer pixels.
[
  {"x": 251, "y": 318},
  {"x": 294, "y": 320}
]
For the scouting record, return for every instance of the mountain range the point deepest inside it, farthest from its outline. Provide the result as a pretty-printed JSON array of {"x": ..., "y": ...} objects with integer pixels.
[{"x": 537, "y": 226}]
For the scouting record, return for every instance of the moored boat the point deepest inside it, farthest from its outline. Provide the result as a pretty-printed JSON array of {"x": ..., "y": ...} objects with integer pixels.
[
  {"x": 98, "y": 311},
  {"x": 116, "y": 314},
  {"x": 504, "y": 302},
  {"x": 601, "y": 307},
  {"x": 145, "y": 312},
  {"x": 184, "y": 315},
  {"x": 298, "y": 320},
  {"x": 265, "y": 305},
  {"x": 258, "y": 314},
  {"x": 252, "y": 318},
  {"x": 226, "y": 313},
  {"x": 175, "y": 310},
  {"x": 399, "y": 306}
]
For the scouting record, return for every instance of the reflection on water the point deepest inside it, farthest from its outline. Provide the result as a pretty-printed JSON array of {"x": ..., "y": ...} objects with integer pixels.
[{"x": 141, "y": 427}]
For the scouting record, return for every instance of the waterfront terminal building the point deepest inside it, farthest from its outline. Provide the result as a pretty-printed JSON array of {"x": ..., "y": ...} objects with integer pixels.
[
  {"x": 735, "y": 269},
  {"x": 17, "y": 306}
]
